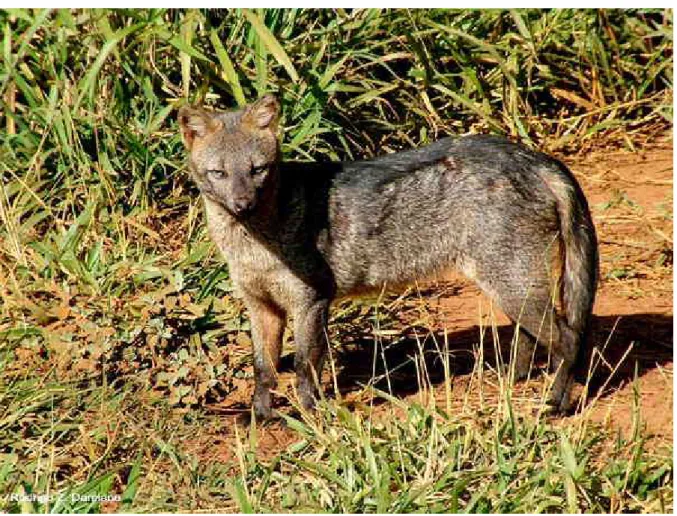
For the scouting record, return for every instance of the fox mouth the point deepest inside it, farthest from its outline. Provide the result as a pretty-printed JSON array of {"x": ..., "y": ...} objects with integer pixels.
[
  {"x": 242, "y": 213},
  {"x": 223, "y": 203},
  {"x": 241, "y": 210}
]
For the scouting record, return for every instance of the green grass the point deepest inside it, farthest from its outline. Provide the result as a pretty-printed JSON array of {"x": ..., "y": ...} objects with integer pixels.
[
  {"x": 424, "y": 460},
  {"x": 413, "y": 458},
  {"x": 118, "y": 328}
]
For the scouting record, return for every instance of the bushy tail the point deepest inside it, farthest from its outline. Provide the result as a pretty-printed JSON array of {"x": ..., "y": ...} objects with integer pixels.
[{"x": 581, "y": 260}]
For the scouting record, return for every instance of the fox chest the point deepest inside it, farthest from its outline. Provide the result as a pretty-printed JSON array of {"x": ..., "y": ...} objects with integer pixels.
[{"x": 256, "y": 268}]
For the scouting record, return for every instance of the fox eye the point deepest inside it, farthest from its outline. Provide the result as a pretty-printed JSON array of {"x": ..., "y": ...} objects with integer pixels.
[
  {"x": 258, "y": 170},
  {"x": 216, "y": 174}
]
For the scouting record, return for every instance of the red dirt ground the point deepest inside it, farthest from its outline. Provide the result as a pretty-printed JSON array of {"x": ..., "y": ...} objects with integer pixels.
[{"x": 631, "y": 198}]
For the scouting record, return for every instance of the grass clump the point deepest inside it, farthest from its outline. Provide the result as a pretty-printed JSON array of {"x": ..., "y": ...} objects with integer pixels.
[
  {"x": 424, "y": 460},
  {"x": 404, "y": 458}
]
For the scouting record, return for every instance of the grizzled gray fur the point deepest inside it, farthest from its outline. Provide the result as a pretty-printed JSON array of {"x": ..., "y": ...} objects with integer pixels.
[{"x": 297, "y": 235}]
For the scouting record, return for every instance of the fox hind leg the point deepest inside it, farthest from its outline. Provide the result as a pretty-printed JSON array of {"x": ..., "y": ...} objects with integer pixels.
[
  {"x": 540, "y": 323},
  {"x": 529, "y": 305},
  {"x": 525, "y": 347}
]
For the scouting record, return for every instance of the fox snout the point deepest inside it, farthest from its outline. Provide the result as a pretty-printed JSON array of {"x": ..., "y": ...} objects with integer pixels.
[
  {"x": 240, "y": 193},
  {"x": 242, "y": 206}
]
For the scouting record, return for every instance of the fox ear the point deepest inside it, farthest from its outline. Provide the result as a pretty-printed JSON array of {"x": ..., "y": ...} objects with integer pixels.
[
  {"x": 196, "y": 123},
  {"x": 263, "y": 114}
]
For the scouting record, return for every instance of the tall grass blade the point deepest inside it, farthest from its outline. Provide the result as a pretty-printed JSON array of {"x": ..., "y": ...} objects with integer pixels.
[{"x": 272, "y": 45}]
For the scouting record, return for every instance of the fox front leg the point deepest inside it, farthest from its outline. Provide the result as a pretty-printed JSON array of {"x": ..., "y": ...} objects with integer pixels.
[
  {"x": 267, "y": 322},
  {"x": 310, "y": 330}
]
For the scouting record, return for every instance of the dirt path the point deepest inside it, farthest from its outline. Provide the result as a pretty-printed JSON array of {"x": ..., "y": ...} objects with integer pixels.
[{"x": 630, "y": 195}]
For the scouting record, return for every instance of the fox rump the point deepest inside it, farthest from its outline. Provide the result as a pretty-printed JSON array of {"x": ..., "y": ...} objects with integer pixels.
[{"x": 297, "y": 235}]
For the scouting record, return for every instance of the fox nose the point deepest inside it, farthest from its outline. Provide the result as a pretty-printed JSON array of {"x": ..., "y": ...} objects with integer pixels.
[{"x": 241, "y": 206}]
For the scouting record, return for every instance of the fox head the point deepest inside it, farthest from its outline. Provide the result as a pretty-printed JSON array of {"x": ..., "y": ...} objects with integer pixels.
[{"x": 233, "y": 156}]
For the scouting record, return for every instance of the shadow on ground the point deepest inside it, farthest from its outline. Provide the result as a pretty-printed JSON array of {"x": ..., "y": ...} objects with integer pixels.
[{"x": 648, "y": 335}]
